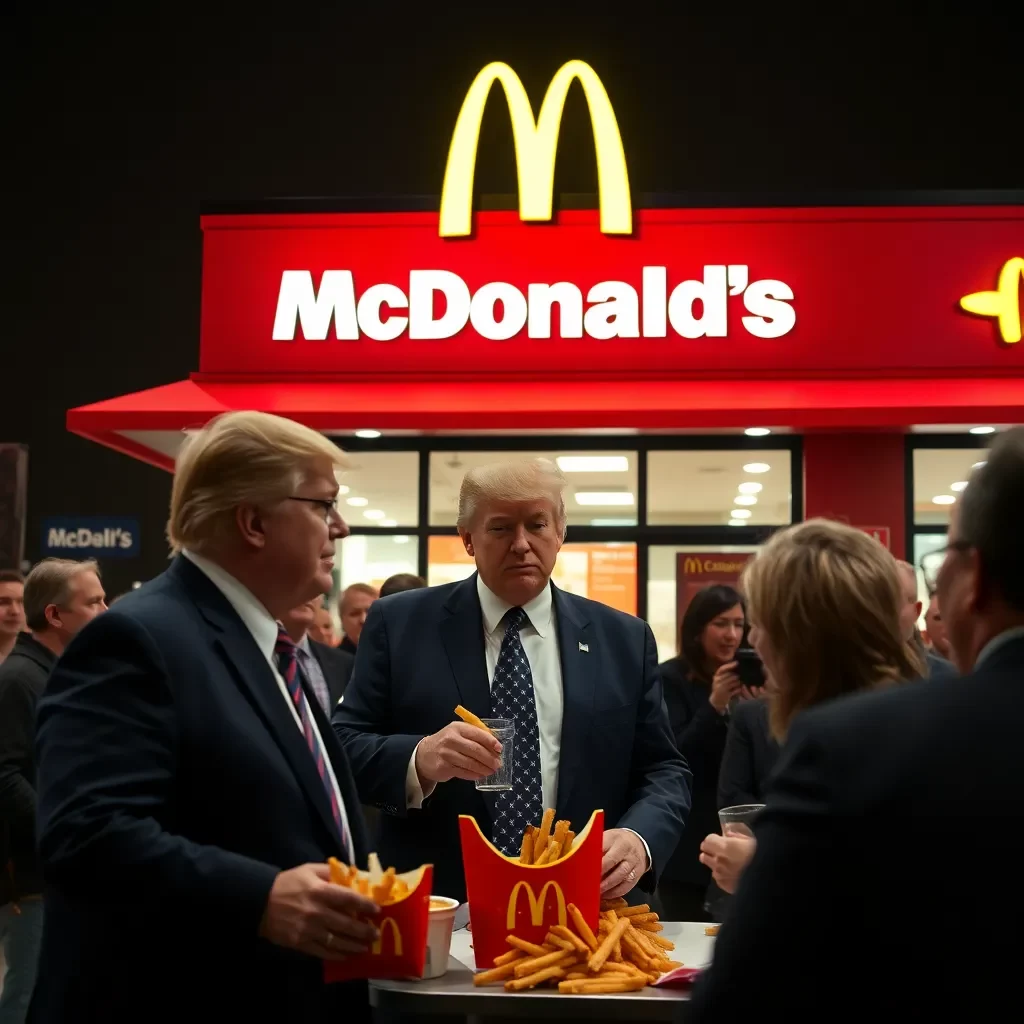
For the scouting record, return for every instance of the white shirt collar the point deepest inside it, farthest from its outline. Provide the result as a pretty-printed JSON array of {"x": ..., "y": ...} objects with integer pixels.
[
  {"x": 538, "y": 610},
  {"x": 260, "y": 623}
]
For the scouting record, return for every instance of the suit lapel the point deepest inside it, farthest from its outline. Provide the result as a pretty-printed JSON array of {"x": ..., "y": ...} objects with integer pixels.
[
  {"x": 579, "y": 658},
  {"x": 254, "y": 677}
]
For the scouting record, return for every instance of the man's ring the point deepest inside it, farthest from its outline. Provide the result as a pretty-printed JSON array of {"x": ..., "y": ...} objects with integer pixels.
[{"x": 329, "y": 941}]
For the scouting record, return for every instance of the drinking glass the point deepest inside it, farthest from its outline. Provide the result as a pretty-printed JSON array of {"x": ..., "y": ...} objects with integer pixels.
[
  {"x": 736, "y": 821},
  {"x": 504, "y": 731}
]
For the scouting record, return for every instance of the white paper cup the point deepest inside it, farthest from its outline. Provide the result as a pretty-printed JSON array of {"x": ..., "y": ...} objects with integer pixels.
[{"x": 439, "y": 936}]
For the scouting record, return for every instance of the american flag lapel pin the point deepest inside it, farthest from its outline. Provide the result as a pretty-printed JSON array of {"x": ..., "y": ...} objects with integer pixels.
[{"x": 585, "y": 648}]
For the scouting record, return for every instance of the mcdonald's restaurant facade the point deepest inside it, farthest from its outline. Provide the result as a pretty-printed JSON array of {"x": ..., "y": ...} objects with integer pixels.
[{"x": 704, "y": 373}]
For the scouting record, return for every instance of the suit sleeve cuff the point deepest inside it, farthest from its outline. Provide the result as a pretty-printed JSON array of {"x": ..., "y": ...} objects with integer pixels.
[
  {"x": 415, "y": 793},
  {"x": 647, "y": 849}
]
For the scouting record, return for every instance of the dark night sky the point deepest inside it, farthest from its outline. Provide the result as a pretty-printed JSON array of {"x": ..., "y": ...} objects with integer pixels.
[{"x": 117, "y": 130}]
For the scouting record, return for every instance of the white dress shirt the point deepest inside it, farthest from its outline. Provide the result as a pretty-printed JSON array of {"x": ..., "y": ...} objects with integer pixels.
[{"x": 264, "y": 629}]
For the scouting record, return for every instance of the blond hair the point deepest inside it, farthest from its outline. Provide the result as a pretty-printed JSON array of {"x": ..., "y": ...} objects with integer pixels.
[
  {"x": 48, "y": 583},
  {"x": 240, "y": 458},
  {"x": 828, "y": 598},
  {"x": 522, "y": 480}
]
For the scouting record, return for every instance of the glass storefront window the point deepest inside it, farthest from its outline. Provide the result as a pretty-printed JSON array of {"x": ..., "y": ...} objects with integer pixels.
[
  {"x": 924, "y": 544},
  {"x": 372, "y": 558},
  {"x": 380, "y": 489},
  {"x": 706, "y": 488},
  {"x": 601, "y": 491},
  {"x": 604, "y": 572},
  {"x": 675, "y": 573},
  {"x": 940, "y": 474}
]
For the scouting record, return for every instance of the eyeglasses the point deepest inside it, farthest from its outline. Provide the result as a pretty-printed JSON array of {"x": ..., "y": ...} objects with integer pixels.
[
  {"x": 329, "y": 506},
  {"x": 933, "y": 561}
]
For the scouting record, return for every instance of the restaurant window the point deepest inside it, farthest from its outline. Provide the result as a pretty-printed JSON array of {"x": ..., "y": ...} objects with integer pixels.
[
  {"x": 604, "y": 572},
  {"x": 675, "y": 573},
  {"x": 380, "y": 489},
  {"x": 601, "y": 485},
  {"x": 372, "y": 558},
  {"x": 926, "y": 545},
  {"x": 940, "y": 475},
  {"x": 719, "y": 488}
]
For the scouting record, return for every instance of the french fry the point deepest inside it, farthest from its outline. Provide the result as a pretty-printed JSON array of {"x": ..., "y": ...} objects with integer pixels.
[
  {"x": 638, "y": 919},
  {"x": 543, "y": 837},
  {"x": 556, "y": 940},
  {"x": 533, "y": 980},
  {"x": 527, "y": 947},
  {"x": 470, "y": 719},
  {"x": 381, "y": 894},
  {"x": 526, "y": 851},
  {"x": 617, "y": 905},
  {"x": 550, "y": 855},
  {"x": 582, "y": 928},
  {"x": 508, "y": 958},
  {"x": 502, "y": 973},
  {"x": 662, "y": 943},
  {"x": 601, "y": 954},
  {"x": 642, "y": 912},
  {"x": 532, "y": 964},
  {"x": 339, "y": 871},
  {"x": 564, "y": 933},
  {"x": 602, "y": 986},
  {"x": 570, "y": 838},
  {"x": 561, "y": 830}
]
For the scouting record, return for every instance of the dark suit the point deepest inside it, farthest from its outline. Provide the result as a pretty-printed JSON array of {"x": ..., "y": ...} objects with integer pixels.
[
  {"x": 750, "y": 755},
  {"x": 422, "y": 652},
  {"x": 174, "y": 785},
  {"x": 888, "y": 860},
  {"x": 336, "y": 666}
]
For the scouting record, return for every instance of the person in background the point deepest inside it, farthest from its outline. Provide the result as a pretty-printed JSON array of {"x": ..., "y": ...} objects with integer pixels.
[
  {"x": 751, "y": 752},
  {"x": 901, "y": 799},
  {"x": 910, "y": 612},
  {"x": 190, "y": 789},
  {"x": 935, "y": 630},
  {"x": 400, "y": 582},
  {"x": 12, "y": 609},
  {"x": 326, "y": 669},
  {"x": 579, "y": 679},
  {"x": 321, "y": 629},
  {"x": 61, "y": 596},
  {"x": 699, "y": 685},
  {"x": 353, "y": 608}
]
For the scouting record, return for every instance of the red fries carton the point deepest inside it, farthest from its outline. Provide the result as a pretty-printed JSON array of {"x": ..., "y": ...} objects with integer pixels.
[
  {"x": 526, "y": 900},
  {"x": 401, "y": 950}
]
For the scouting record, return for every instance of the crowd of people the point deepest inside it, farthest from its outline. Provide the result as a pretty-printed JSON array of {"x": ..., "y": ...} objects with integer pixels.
[{"x": 175, "y": 772}]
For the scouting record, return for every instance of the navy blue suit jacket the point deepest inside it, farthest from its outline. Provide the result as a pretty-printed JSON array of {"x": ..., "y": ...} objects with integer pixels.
[
  {"x": 422, "y": 652},
  {"x": 173, "y": 787}
]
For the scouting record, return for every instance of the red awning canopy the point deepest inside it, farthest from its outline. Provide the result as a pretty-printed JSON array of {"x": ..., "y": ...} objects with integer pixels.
[{"x": 147, "y": 424}]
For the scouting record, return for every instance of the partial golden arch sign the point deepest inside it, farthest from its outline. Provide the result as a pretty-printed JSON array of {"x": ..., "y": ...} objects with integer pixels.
[
  {"x": 536, "y": 903},
  {"x": 536, "y": 145},
  {"x": 396, "y": 937},
  {"x": 1003, "y": 304}
]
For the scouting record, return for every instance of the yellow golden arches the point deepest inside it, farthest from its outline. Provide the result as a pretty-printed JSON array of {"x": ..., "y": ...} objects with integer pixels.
[{"x": 1003, "y": 303}]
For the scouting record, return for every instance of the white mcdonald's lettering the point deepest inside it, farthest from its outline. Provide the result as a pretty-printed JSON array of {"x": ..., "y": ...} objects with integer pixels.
[
  {"x": 536, "y": 145},
  {"x": 500, "y": 310}
]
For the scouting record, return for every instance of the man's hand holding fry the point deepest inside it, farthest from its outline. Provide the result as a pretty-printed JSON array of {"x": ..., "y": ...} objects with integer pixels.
[
  {"x": 624, "y": 862},
  {"x": 307, "y": 912},
  {"x": 458, "y": 751}
]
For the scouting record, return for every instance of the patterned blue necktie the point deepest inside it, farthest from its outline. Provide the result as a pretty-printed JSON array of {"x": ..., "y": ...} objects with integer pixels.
[{"x": 512, "y": 697}]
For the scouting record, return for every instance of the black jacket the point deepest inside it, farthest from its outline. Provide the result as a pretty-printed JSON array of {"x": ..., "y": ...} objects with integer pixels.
[
  {"x": 23, "y": 677},
  {"x": 883, "y": 813},
  {"x": 336, "y": 666},
  {"x": 750, "y": 756},
  {"x": 700, "y": 733}
]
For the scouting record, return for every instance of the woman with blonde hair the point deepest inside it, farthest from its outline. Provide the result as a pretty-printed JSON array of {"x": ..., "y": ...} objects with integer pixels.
[{"x": 823, "y": 600}]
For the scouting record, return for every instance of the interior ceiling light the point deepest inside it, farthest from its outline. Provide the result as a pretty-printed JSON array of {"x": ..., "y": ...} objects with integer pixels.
[
  {"x": 750, "y": 487},
  {"x": 982, "y": 430},
  {"x": 608, "y": 498},
  {"x": 613, "y": 522},
  {"x": 358, "y": 502},
  {"x": 741, "y": 513},
  {"x": 958, "y": 486},
  {"x": 593, "y": 463},
  {"x": 344, "y": 489},
  {"x": 369, "y": 435},
  {"x": 389, "y": 522},
  {"x": 943, "y": 499},
  {"x": 744, "y": 499},
  {"x": 757, "y": 431},
  {"x": 400, "y": 539},
  {"x": 375, "y": 513},
  {"x": 756, "y": 467},
  {"x": 737, "y": 522},
  {"x": 978, "y": 465}
]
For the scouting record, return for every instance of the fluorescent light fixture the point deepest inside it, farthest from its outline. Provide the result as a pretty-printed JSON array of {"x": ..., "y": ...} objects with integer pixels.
[
  {"x": 593, "y": 463},
  {"x": 978, "y": 465},
  {"x": 756, "y": 467},
  {"x": 744, "y": 499},
  {"x": 613, "y": 522},
  {"x": 943, "y": 499},
  {"x": 982, "y": 430},
  {"x": 741, "y": 513},
  {"x": 737, "y": 522},
  {"x": 749, "y": 487},
  {"x": 344, "y": 489},
  {"x": 757, "y": 431},
  {"x": 357, "y": 502},
  {"x": 389, "y": 522},
  {"x": 369, "y": 435},
  {"x": 608, "y": 498},
  {"x": 400, "y": 539},
  {"x": 375, "y": 513},
  {"x": 958, "y": 486}
]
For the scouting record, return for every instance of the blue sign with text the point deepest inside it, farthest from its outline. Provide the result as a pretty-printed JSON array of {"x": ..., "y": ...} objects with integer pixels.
[{"x": 91, "y": 537}]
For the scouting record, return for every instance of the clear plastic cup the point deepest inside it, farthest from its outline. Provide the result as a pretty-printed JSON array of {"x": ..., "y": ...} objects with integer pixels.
[
  {"x": 737, "y": 820},
  {"x": 504, "y": 731}
]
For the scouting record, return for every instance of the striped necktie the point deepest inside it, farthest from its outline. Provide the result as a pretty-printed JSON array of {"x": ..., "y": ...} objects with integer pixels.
[{"x": 285, "y": 651}]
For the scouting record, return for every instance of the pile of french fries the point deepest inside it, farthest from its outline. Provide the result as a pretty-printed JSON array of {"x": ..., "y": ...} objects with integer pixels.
[
  {"x": 541, "y": 845},
  {"x": 383, "y": 887},
  {"x": 625, "y": 955}
]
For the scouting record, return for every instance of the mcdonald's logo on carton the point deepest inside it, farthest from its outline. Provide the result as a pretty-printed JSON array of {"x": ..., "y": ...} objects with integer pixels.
[
  {"x": 401, "y": 949},
  {"x": 506, "y": 897},
  {"x": 536, "y": 144}
]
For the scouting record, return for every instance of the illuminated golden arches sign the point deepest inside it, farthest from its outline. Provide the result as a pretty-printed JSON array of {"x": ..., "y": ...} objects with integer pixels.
[
  {"x": 536, "y": 903},
  {"x": 1003, "y": 303},
  {"x": 692, "y": 565},
  {"x": 536, "y": 144},
  {"x": 396, "y": 937}
]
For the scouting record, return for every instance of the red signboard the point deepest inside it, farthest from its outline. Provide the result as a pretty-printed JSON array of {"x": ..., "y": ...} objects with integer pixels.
[
  {"x": 839, "y": 292},
  {"x": 880, "y": 533},
  {"x": 697, "y": 570}
]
